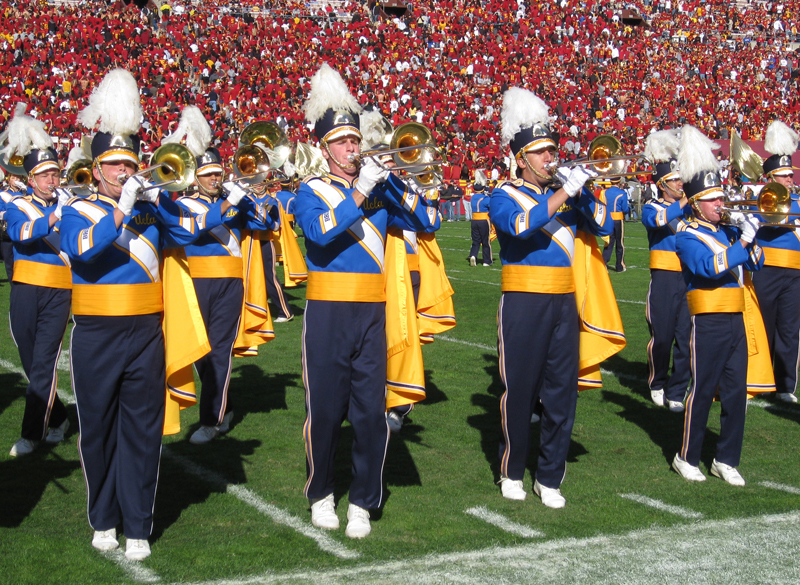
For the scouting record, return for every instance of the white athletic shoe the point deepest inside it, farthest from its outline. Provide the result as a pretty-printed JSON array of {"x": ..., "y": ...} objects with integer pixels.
[
  {"x": 786, "y": 397},
  {"x": 23, "y": 447},
  {"x": 675, "y": 405},
  {"x": 323, "y": 513},
  {"x": 105, "y": 539},
  {"x": 551, "y": 498},
  {"x": 512, "y": 489},
  {"x": 283, "y": 319},
  {"x": 727, "y": 473},
  {"x": 226, "y": 422},
  {"x": 357, "y": 522},
  {"x": 657, "y": 396},
  {"x": 473, "y": 261},
  {"x": 207, "y": 433},
  {"x": 56, "y": 434},
  {"x": 137, "y": 549},
  {"x": 395, "y": 421},
  {"x": 686, "y": 470}
]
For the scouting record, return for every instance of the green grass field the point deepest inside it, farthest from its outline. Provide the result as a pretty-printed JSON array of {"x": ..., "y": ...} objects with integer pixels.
[{"x": 233, "y": 511}]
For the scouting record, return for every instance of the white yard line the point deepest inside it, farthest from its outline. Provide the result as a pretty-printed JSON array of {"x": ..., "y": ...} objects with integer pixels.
[
  {"x": 762, "y": 549},
  {"x": 503, "y": 523},
  {"x": 65, "y": 396},
  {"x": 662, "y": 506},
  {"x": 279, "y": 516},
  {"x": 780, "y": 486},
  {"x": 133, "y": 569},
  {"x": 768, "y": 406}
]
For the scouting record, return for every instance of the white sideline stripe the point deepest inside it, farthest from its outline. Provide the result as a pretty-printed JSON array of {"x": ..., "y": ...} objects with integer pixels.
[
  {"x": 473, "y": 280},
  {"x": 631, "y": 302},
  {"x": 65, "y": 396},
  {"x": 663, "y": 507},
  {"x": 634, "y": 558},
  {"x": 63, "y": 360},
  {"x": 780, "y": 486},
  {"x": 772, "y": 407},
  {"x": 325, "y": 542},
  {"x": 133, "y": 569},
  {"x": 503, "y": 523}
]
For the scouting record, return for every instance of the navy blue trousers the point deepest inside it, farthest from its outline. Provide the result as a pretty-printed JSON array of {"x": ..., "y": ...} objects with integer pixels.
[
  {"x": 274, "y": 289},
  {"x": 220, "y": 301},
  {"x": 38, "y": 319},
  {"x": 778, "y": 292},
  {"x": 480, "y": 238},
  {"x": 344, "y": 372},
  {"x": 670, "y": 326},
  {"x": 617, "y": 238},
  {"x": 119, "y": 378},
  {"x": 719, "y": 363},
  {"x": 7, "y": 251},
  {"x": 538, "y": 344}
]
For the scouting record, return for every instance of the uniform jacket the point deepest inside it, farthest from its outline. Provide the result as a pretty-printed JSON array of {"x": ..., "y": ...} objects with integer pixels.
[{"x": 661, "y": 220}]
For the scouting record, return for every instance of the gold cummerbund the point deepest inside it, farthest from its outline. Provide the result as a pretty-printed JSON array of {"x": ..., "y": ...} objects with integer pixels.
[
  {"x": 665, "y": 260},
  {"x": 215, "y": 267},
  {"x": 772, "y": 257},
  {"x": 480, "y": 215},
  {"x": 353, "y": 287},
  {"x": 114, "y": 300},
  {"x": 618, "y": 215},
  {"x": 413, "y": 262},
  {"x": 537, "y": 279},
  {"x": 716, "y": 300},
  {"x": 289, "y": 216},
  {"x": 49, "y": 275}
]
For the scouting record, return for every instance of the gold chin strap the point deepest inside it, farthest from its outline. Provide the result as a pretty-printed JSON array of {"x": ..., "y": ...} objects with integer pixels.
[
  {"x": 534, "y": 171},
  {"x": 351, "y": 165},
  {"x": 105, "y": 180},
  {"x": 662, "y": 184}
]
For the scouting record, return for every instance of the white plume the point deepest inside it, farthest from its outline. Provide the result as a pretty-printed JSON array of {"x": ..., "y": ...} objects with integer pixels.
[
  {"x": 195, "y": 128},
  {"x": 662, "y": 145},
  {"x": 115, "y": 104},
  {"x": 289, "y": 169},
  {"x": 328, "y": 91},
  {"x": 521, "y": 109},
  {"x": 480, "y": 178},
  {"x": 24, "y": 134},
  {"x": 75, "y": 155},
  {"x": 696, "y": 153},
  {"x": 372, "y": 130},
  {"x": 780, "y": 139}
]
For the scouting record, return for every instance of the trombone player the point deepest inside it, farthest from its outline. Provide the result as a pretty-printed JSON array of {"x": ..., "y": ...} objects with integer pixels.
[{"x": 777, "y": 285}]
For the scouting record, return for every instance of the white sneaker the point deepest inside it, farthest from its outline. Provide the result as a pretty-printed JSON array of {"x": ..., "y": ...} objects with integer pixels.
[
  {"x": 395, "y": 421},
  {"x": 23, "y": 447},
  {"x": 657, "y": 396},
  {"x": 56, "y": 434},
  {"x": 675, "y": 406},
  {"x": 357, "y": 522},
  {"x": 137, "y": 549},
  {"x": 727, "y": 473},
  {"x": 105, "y": 539},
  {"x": 207, "y": 433},
  {"x": 786, "y": 397},
  {"x": 282, "y": 319},
  {"x": 686, "y": 470},
  {"x": 512, "y": 489},
  {"x": 551, "y": 498},
  {"x": 323, "y": 513},
  {"x": 473, "y": 261},
  {"x": 226, "y": 422}
]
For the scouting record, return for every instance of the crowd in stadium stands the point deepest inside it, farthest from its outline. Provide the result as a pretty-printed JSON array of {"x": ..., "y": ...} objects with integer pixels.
[{"x": 717, "y": 64}]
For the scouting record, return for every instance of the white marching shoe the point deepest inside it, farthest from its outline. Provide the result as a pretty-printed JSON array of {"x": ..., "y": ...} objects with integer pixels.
[
  {"x": 551, "y": 497},
  {"x": 56, "y": 434},
  {"x": 105, "y": 539},
  {"x": 657, "y": 396},
  {"x": 358, "y": 525},
  {"x": 512, "y": 489},
  {"x": 207, "y": 433},
  {"x": 727, "y": 473},
  {"x": 686, "y": 470},
  {"x": 137, "y": 549},
  {"x": 323, "y": 513}
]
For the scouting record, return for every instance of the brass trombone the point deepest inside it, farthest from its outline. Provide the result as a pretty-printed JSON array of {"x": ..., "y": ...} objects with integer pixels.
[
  {"x": 79, "y": 178},
  {"x": 774, "y": 203},
  {"x": 607, "y": 157},
  {"x": 172, "y": 167},
  {"x": 263, "y": 150}
]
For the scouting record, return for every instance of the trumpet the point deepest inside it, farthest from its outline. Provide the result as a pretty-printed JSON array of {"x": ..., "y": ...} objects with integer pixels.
[
  {"x": 774, "y": 203},
  {"x": 608, "y": 158},
  {"x": 263, "y": 150},
  {"x": 172, "y": 168}
]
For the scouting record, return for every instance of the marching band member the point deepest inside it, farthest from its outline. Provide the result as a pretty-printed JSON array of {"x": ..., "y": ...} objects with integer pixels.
[
  {"x": 114, "y": 241},
  {"x": 713, "y": 258},
  {"x": 14, "y": 188},
  {"x": 344, "y": 348},
  {"x": 778, "y": 283},
  {"x": 617, "y": 201},
  {"x": 667, "y": 312},
  {"x": 480, "y": 226},
  {"x": 285, "y": 199},
  {"x": 40, "y": 297},
  {"x": 215, "y": 265},
  {"x": 538, "y": 320}
]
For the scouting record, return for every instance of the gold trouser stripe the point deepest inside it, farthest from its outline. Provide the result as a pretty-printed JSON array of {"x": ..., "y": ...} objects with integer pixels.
[
  {"x": 40, "y": 274},
  {"x": 665, "y": 260},
  {"x": 215, "y": 267},
  {"x": 618, "y": 215},
  {"x": 717, "y": 300},
  {"x": 537, "y": 279},
  {"x": 111, "y": 300},
  {"x": 346, "y": 287},
  {"x": 480, "y": 215},
  {"x": 772, "y": 257}
]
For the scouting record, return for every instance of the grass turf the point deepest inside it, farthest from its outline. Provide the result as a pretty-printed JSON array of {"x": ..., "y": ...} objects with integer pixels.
[{"x": 442, "y": 463}]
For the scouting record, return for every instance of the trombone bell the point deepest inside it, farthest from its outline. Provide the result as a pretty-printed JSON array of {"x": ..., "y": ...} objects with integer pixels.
[{"x": 173, "y": 167}]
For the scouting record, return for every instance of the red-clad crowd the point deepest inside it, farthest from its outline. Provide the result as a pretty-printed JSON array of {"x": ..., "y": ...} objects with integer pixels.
[{"x": 602, "y": 67}]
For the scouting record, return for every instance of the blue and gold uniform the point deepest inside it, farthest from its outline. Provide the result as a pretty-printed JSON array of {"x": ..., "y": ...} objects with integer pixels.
[
  {"x": 667, "y": 311},
  {"x": 269, "y": 258},
  {"x": 617, "y": 201},
  {"x": 6, "y": 245},
  {"x": 538, "y": 323},
  {"x": 480, "y": 227},
  {"x": 344, "y": 335}
]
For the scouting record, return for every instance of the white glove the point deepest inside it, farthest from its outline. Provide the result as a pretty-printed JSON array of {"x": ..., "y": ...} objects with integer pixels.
[
  {"x": 578, "y": 178},
  {"x": 130, "y": 193},
  {"x": 369, "y": 176},
  {"x": 749, "y": 229},
  {"x": 737, "y": 218},
  {"x": 562, "y": 175},
  {"x": 63, "y": 195},
  {"x": 149, "y": 195},
  {"x": 234, "y": 192}
]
